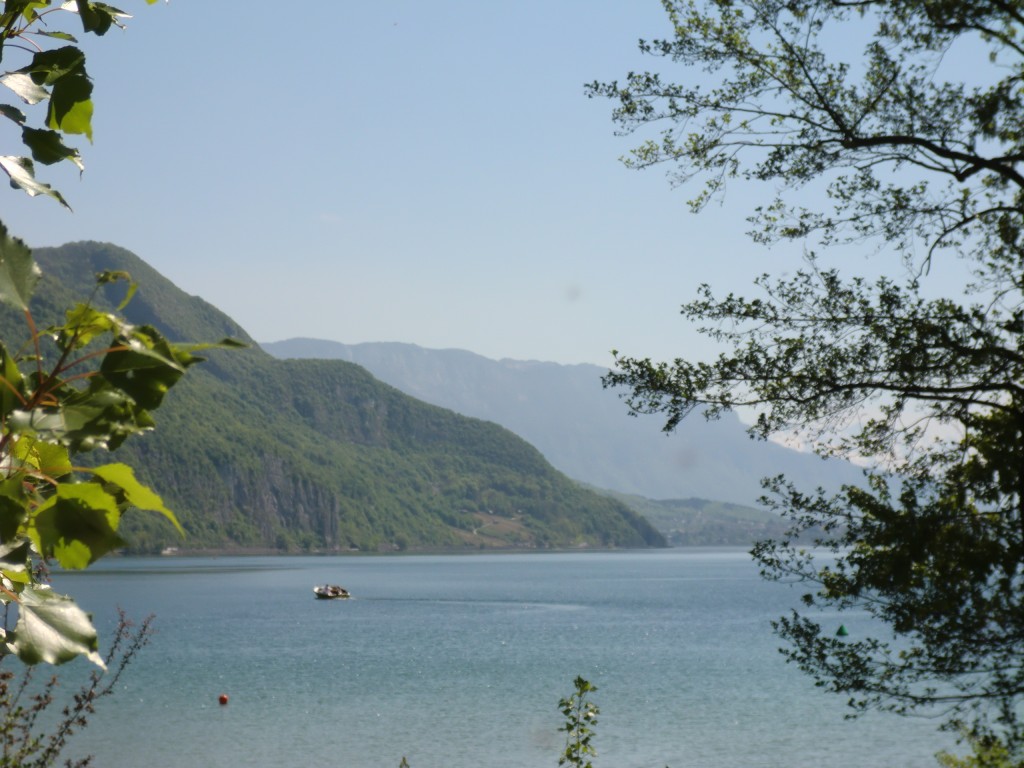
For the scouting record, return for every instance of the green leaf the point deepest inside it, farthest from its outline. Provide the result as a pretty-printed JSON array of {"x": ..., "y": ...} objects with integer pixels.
[
  {"x": 12, "y": 385},
  {"x": 22, "y": 174},
  {"x": 51, "y": 628},
  {"x": 13, "y": 503},
  {"x": 56, "y": 35},
  {"x": 145, "y": 368},
  {"x": 98, "y": 18},
  {"x": 83, "y": 325},
  {"x": 14, "y": 563},
  {"x": 27, "y": 89},
  {"x": 50, "y": 67},
  {"x": 12, "y": 113},
  {"x": 101, "y": 417},
  {"x": 19, "y": 272},
  {"x": 14, "y": 553},
  {"x": 77, "y": 525},
  {"x": 27, "y": 8},
  {"x": 63, "y": 69},
  {"x": 135, "y": 493},
  {"x": 48, "y": 148},
  {"x": 43, "y": 457},
  {"x": 71, "y": 106}
]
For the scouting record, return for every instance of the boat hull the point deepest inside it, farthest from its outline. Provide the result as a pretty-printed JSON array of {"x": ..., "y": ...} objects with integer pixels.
[{"x": 331, "y": 592}]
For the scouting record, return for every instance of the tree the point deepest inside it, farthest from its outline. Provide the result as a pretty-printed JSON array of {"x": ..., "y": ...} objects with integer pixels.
[
  {"x": 580, "y": 715},
  {"x": 861, "y": 107},
  {"x": 55, "y": 77},
  {"x": 26, "y": 705},
  {"x": 83, "y": 386}
]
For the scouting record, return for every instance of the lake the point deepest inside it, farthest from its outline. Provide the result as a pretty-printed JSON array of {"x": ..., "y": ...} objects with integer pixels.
[{"x": 459, "y": 662}]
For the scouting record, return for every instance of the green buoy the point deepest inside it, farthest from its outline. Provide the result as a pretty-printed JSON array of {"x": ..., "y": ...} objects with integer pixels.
[{"x": 842, "y": 631}]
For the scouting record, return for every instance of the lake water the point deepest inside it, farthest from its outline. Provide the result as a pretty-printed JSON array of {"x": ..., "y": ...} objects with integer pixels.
[{"x": 459, "y": 662}]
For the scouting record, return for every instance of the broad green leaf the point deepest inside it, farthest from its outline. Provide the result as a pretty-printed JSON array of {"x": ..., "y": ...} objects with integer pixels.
[
  {"x": 51, "y": 628},
  {"x": 51, "y": 67},
  {"x": 63, "y": 69},
  {"x": 57, "y": 35},
  {"x": 15, "y": 580},
  {"x": 22, "y": 174},
  {"x": 14, "y": 554},
  {"x": 71, "y": 106},
  {"x": 77, "y": 525},
  {"x": 27, "y": 89},
  {"x": 48, "y": 423},
  {"x": 135, "y": 493},
  {"x": 19, "y": 272},
  {"x": 47, "y": 458},
  {"x": 84, "y": 324},
  {"x": 146, "y": 369},
  {"x": 99, "y": 17},
  {"x": 28, "y": 8},
  {"x": 49, "y": 148},
  {"x": 12, "y": 384},
  {"x": 12, "y": 113},
  {"x": 101, "y": 417},
  {"x": 13, "y": 504}
]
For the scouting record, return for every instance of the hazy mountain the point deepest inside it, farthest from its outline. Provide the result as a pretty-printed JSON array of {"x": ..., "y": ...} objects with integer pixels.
[
  {"x": 701, "y": 523},
  {"x": 252, "y": 451},
  {"x": 581, "y": 428}
]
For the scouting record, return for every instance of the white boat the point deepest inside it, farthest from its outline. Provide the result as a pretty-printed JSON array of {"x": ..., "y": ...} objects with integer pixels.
[{"x": 331, "y": 592}]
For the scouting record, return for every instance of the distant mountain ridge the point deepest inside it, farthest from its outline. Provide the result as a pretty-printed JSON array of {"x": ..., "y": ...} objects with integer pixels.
[
  {"x": 581, "y": 428},
  {"x": 313, "y": 455}
]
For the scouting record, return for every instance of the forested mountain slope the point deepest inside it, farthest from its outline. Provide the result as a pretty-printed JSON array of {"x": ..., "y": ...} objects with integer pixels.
[
  {"x": 255, "y": 452},
  {"x": 582, "y": 429}
]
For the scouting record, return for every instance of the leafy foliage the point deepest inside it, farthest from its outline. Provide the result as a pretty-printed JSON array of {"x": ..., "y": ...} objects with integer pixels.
[
  {"x": 986, "y": 752},
  {"x": 928, "y": 388},
  {"x": 81, "y": 385},
  {"x": 580, "y": 718},
  {"x": 53, "y": 77},
  {"x": 24, "y": 706}
]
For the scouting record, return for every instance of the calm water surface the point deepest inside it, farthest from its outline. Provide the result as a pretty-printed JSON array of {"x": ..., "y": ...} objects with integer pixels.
[{"x": 459, "y": 662}]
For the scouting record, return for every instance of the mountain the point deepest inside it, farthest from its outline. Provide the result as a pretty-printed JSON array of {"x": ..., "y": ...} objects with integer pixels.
[
  {"x": 256, "y": 452},
  {"x": 703, "y": 523},
  {"x": 583, "y": 429}
]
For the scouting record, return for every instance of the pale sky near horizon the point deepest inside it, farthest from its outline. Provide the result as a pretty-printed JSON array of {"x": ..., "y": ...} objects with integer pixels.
[{"x": 429, "y": 173}]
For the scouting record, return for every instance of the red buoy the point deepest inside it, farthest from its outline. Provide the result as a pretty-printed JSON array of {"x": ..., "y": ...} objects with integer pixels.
[{"x": 223, "y": 699}]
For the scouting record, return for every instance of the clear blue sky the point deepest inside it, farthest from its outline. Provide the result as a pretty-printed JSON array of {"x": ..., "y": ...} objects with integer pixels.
[{"x": 395, "y": 171}]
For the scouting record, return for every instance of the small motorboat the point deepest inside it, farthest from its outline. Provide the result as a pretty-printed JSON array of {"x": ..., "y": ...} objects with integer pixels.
[{"x": 331, "y": 592}]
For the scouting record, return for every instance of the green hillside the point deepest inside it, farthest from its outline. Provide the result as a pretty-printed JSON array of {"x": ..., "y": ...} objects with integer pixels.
[
  {"x": 254, "y": 452},
  {"x": 700, "y": 522},
  {"x": 582, "y": 428}
]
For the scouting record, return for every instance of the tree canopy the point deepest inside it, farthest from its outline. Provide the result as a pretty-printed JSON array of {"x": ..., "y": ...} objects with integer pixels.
[
  {"x": 895, "y": 127},
  {"x": 82, "y": 385},
  {"x": 51, "y": 74}
]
